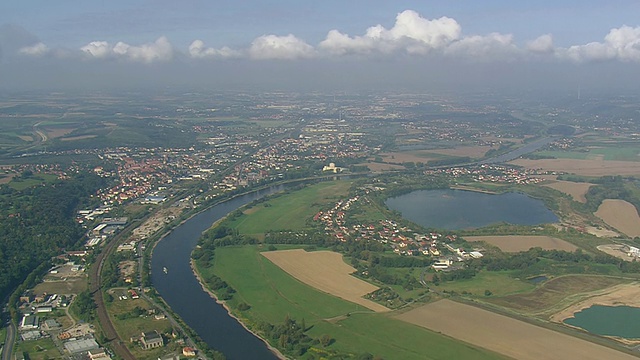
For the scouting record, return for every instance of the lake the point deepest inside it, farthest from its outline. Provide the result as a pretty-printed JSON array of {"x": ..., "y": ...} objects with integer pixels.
[
  {"x": 458, "y": 209},
  {"x": 622, "y": 321}
]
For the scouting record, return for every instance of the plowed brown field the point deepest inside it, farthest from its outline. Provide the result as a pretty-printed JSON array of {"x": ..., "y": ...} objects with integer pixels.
[{"x": 621, "y": 215}]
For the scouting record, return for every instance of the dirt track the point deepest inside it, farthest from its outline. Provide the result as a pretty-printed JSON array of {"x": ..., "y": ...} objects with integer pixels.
[
  {"x": 505, "y": 335},
  {"x": 325, "y": 271}
]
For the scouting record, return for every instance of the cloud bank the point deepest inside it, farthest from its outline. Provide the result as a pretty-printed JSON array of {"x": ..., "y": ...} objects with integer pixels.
[{"x": 411, "y": 35}]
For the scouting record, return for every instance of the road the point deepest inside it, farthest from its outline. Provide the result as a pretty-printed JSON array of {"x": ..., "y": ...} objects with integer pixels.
[{"x": 7, "y": 349}]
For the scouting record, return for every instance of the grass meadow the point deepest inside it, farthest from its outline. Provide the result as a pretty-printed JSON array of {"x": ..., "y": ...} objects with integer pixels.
[
  {"x": 290, "y": 212},
  {"x": 42, "y": 349},
  {"x": 500, "y": 283}
]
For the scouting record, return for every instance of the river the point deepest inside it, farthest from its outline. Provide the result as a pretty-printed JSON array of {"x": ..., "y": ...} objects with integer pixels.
[
  {"x": 512, "y": 155},
  {"x": 183, "y": 293}
]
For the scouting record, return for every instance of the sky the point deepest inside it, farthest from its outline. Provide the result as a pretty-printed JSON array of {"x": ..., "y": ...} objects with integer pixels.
[{"x": 329, "y": 44}]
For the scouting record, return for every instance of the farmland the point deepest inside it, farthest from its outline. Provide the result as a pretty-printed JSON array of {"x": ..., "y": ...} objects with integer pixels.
[
  {"x": 325, "y": 271},
  {"x": 517, "y": 243},
  {"x": 596, "y": 167},
  {"x": 621, "y": 215},
  {"x": 575, "y": 189},
  {"x": 505, "y": 335},
  {"x": 273, "y": 295}
]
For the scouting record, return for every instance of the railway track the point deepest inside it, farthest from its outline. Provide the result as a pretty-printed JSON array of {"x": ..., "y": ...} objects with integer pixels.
[{"x": 114, "y": 341}]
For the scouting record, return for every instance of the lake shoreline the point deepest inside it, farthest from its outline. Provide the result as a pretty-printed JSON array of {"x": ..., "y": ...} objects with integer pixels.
[{"x": 619, "y": 295}]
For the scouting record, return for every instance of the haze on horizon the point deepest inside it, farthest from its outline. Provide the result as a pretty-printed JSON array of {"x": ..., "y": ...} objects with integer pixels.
[{"x": 363, "y": 45}]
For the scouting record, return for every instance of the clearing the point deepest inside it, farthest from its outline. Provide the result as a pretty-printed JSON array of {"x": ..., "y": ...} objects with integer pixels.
[
  {"x": 617, "y": 250},
  {"x": 556, "y": 294},
  {"x": 325, "y": 271},
  {"x": 621, "y": 215},
  {"x": 517, "y": 243},
  {"x": 577, "y": 190},
  {"x": 503, "y": 334}
]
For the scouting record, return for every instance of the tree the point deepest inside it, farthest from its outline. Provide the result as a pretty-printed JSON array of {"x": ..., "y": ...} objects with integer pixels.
[{"x": 325, "y": 340}]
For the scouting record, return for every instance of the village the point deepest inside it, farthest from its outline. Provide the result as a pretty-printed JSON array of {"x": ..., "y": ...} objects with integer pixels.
[{"x": 402, "y": 240}]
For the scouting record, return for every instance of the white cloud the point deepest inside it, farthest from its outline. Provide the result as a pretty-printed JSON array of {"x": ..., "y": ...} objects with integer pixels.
[
  {"x": 411, "y": 33},
  {"x": 494, "y": 46},
  {"x": 160, "y": 50},
  {"x": 280, "y": 47},
  {"x": 198, "y": 50},
  {"x": 97, "y": 49},
  {"x": 543, "y": 44},
  {"x": 35, "y": 50},
  {"x": 621, "y": 43}
]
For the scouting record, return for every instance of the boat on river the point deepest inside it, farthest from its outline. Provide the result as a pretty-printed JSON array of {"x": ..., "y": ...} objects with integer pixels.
[{"x": 165, "y": 270}]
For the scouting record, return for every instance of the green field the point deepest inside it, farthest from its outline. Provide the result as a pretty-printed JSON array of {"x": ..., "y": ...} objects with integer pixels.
[
  {"x": 274, "y": 295},
  {"x": 42, "y": 349},
  {"x": 290, "y": 212},
  {"x": 37, "y": 179},
  {"x": 622, "y": 153},
  {"x": 500, "y": 283}
]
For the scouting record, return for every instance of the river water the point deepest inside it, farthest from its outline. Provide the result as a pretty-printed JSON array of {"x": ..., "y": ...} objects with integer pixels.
[{"x": 183, "y": 293}]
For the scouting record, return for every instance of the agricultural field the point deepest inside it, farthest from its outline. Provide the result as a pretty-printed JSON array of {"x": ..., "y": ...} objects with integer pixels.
[
  {"x": 618, "y": 153},
  {"x": 474, "y": 152},
  {"x": 327, "y": 272},
  {"x": 504, "y": 335},
  {"x": 555, "y": 294},
  {"x": 407, "y": 156},
  {"x": 596, "y": 167},
  {"x": 575, "y": 189},
  {"x": 499, "y": 283},
  {"x": 290, "y": 212},
  {"x": 271, "y": 292},
  {"x": 621, "y": 215},
  {"x": 517, "y": 243},
  {"x": 273, "y": 295},
  {"x": 378, "y": 167}
]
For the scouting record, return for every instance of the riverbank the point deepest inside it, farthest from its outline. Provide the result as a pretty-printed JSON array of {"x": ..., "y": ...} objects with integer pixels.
[
  {"x": 619, "y": 295},
  {"x": 224, "y": 304}
]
